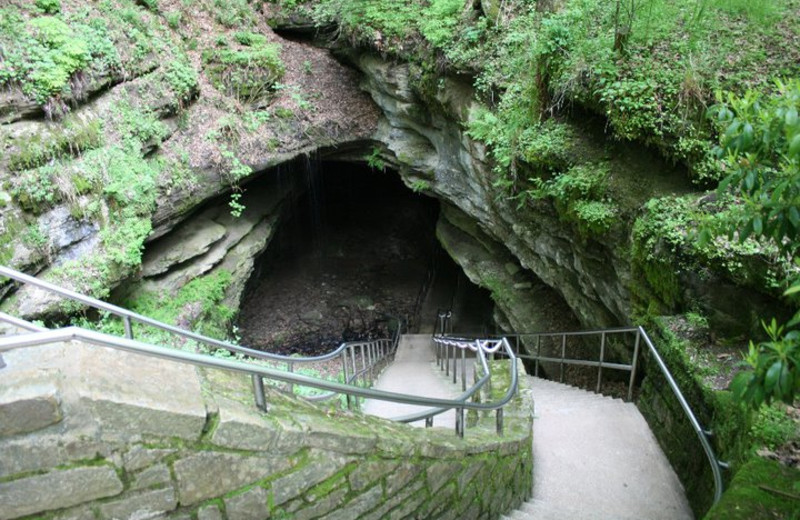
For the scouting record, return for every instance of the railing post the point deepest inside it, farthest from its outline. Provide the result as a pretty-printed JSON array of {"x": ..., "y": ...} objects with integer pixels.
[
  {"x": 538, "y": 355},
  {"x": 602, "y": 357},
  {"x": 347, "y": 397},
  {"x": 128, "y": 327},
  {"x": 355, "y": 366},
  {"x": 363, "y": 365},
  {"x": 499, "y": 421},
  {"x": 447, "y": 360},
  {"x": 371, "y": 364},
  {"x": 258, "y": 390},
  {"x": 634, "y": 362},
  {"x": 563, "y": 355},
  {"x": 455, "y": 363},
  {"x": 463, "y": 370},
  {"x": 290, "y": 368},
  {"x": 460, "y": 422},
  {"x": 429, "y": 422}
]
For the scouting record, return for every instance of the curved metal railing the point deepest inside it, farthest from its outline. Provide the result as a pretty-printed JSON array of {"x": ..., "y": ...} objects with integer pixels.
[
  {"x": 481, "y": 347},
  {"x": 639, "y": 335},
  {"x": 372, "y": 354}
]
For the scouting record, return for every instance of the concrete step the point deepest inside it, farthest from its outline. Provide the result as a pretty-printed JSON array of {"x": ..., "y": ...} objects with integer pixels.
[
  {"x": 596, "y": 458},
  {"x": 414, "y": 371}
]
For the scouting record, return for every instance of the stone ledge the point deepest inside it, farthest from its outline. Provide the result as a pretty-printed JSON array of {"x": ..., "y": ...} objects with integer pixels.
[
  {"x": 29, "y": 408},
  {"x": 56, "y": 490}
]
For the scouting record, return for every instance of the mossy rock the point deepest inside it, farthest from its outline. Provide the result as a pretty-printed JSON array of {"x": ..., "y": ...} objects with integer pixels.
[
  {"x": 249, "y": 73},
  {"x": 761, "y": 489}
]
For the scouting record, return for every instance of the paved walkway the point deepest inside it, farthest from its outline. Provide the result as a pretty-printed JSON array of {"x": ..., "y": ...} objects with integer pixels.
[{"x": 414, "y": 372}]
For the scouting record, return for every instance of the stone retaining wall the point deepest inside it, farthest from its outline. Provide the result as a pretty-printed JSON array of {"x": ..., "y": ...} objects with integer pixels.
[{"x": 91, "y": 433}]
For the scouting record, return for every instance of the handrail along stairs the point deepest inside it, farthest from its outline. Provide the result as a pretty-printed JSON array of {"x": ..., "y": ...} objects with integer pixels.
[
  {"x": 703, "y": 435},
  {"x": 372, "y": 353}
]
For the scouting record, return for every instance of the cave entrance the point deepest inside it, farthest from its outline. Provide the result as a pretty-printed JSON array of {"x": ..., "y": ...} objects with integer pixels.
[{"x": 351, "y": 255}]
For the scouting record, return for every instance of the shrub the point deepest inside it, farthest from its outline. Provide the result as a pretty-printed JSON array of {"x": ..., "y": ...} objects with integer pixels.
[{"x": 48, "y": 6}]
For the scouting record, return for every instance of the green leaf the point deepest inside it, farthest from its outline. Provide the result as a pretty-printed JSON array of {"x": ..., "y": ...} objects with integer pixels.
[
  {"x": 794, "y": 217},
  {"x": 794, "y": 147},
  {"x": 771, "y": 378},
  {"x": 741, "y": 382},
  {"x": 794, "y": 289},
  {"x": 791, "y": 117},
  {"x": 785, "y": 383},
  {"x": 757, "y": 225}
]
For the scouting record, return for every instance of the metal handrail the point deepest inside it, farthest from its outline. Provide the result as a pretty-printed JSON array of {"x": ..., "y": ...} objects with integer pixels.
[
  {"x": 129, "y": 345},
  {"x": 703, "y": 434},
  {"x": 129, "y": 317},
  {"x": 716, "y": 465},
  {"x": 481, "y": 347},
  {"x": 373, "y": 353},
  {"x": 344, "y": 351}
]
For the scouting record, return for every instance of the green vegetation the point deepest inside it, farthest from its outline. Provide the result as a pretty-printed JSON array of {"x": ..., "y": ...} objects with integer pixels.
[
  {"x": 580, "y": 194},
  {"x": 71, "y": 137},
  {"x": 761, "y": 489},
  {"x": 773, "y": 427},
  {"x": 665, "y": 245},
  {"x": 199, "y": 302},
  {"x": 248, "y": 73},
  {"x": 760, "y": 146},
  {"x": 50, "y": 51}
]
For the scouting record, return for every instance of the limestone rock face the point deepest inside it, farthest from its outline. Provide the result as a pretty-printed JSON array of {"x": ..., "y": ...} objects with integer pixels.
[
  {"x": 192, "y": 239},
  {"x": 432, "y": 147}
]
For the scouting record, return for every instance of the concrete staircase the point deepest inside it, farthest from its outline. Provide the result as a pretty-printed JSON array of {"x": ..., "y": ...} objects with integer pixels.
[
  {"x": 413, "y": 372},
  {"x": 595, "y": 458}
]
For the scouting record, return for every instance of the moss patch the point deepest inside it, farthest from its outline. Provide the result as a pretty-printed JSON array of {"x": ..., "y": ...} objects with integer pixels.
[{"x": 761, "y": 489}]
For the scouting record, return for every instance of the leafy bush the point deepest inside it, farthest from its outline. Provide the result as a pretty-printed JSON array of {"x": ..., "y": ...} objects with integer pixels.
[
  {"x": 439, "y": 20},
  {"x": 233, "y": 13},
  {"x": 760, "y": 144},
  {"x": 56, "y": 52},
  {"x": 773, "y": 427},
  {"x": 48, "y": 6},
  {"x": 174, "y": 19},
  {"x": 580, "y": 195},
  {"x": 594, "y": 217},
  {"x": 182, "y": 79}
]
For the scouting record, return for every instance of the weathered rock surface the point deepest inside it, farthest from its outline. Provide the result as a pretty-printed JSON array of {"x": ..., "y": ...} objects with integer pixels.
[
  {"x": 431, "y": 147},
  {"x": 28, "y": 408},
  {"x": 56, "y": 490},
  {"x": 190, "y": 240}
]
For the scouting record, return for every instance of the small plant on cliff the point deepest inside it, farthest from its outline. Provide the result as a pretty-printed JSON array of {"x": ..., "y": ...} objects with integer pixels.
[
  {"x": 760, "y": 146},
  {"x": 249, "y": 73},
  {"x": 374, "y": 160}
]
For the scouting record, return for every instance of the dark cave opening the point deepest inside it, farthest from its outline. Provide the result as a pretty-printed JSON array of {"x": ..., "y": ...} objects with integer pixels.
[{"x": 350, "y": 257}]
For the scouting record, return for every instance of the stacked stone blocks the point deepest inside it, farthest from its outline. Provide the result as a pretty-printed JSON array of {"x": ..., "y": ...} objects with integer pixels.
[{"x": 91, "y": 433}]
